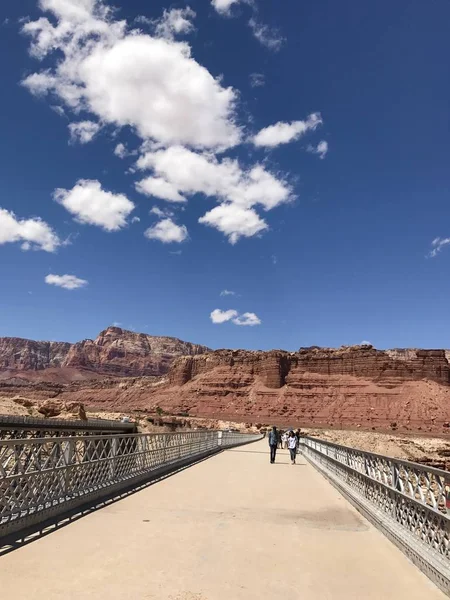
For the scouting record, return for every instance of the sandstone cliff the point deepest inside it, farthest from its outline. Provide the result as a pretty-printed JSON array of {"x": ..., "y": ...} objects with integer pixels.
[
  {"x": 355, "y": 386},
  {"x": 278, "y": 368},
  {"x": 19, "y": 354},
  {"x": 115, "y": 351},
  {"x": 125, "y": 353}
]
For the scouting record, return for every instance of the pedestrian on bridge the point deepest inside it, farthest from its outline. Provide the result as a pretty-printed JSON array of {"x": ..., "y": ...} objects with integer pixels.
[
  {"x": 292, "y": 445},
  {"x": 273, "y": 443}
]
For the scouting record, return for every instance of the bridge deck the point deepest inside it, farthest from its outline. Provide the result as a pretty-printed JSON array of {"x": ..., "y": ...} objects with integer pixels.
[{"x": 233, "y": 527}]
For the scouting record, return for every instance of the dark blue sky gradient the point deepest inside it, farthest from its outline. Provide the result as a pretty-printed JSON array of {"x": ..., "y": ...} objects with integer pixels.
[{"x": 350, "y": 253}]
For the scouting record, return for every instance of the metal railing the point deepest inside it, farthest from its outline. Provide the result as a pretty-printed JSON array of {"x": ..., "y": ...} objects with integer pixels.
[
  {"x": 41, "y": 478},
  {"x": 12, "y": 427},
  {"x": 409, "y": 502}
]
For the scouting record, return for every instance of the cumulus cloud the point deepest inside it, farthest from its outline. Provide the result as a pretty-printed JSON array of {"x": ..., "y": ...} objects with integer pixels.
[
  {"x": 283, "y": 133},
  {"x": 127, "y": 78},
  {"x": 234, "y": 221},
  {"x": 437, "y": 244},
  {"x": 257, "y": 80},
  {"x": 159, "y": 212},
  {"x": 222, "y": 316},
  {"x": 190, "y": 173},
  {"x": 227, "y": 293},
  {"x": 68, "y": 282},
  {"x": 92, "y": 205},
  {"x": 267, "y": 36},
  {"x": 160, "y": 188},
  {"x": 167, "y": 231},
  {"x": 180, "y": 173},
  {"x": 223, "y": 7},
  {"x": 246, "y": 319},
  {"x": 174, "y": 22},
  {"x": 321, "y": 149},
  {"x": 33, "y": 233},
  {"x": 83, "y": 131},
  {"x": 135, "y": 220},
  {"x": 121, "y": 150}
]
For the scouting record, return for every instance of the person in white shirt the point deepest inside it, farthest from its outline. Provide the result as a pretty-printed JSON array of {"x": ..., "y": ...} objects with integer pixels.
[
  {"x": 292, "y": 445},
  {"x": 284, "y": 439}
]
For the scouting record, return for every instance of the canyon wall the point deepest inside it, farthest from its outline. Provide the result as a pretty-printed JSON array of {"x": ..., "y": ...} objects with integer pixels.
[
  {"x": 19, "y": 354},
  {"x": 115, "y": 351}
]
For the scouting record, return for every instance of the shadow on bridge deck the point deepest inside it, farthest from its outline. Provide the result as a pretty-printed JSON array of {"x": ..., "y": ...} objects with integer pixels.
[{"x": 232, "y": 527}]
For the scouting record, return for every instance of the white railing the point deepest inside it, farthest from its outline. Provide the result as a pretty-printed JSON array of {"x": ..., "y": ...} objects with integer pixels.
[
  {"x": 409, "y": 502},
  {"x": 41, "y": 478}
]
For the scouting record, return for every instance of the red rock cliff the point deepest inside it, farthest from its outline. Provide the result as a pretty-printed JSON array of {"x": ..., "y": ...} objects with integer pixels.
[
  {"x": 20, "y": 354},
  {"x": 126, "y": 353},
  {"x": 115, "y": 351},
  {"x": 276, "y": 368}
]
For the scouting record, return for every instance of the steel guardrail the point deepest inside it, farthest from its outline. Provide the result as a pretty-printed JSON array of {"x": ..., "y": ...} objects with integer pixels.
[
  {"x": 32, "y": 423},
  {"x": 44, "y": 477},
  {"x": 408, "y": 501}
]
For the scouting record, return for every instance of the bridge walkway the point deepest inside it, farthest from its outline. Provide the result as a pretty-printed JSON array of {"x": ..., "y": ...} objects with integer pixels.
[{"x": 233, "y": 527}]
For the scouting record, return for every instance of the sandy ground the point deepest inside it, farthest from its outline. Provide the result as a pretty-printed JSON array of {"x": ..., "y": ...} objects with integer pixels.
[{"x": 231, "y": 527}]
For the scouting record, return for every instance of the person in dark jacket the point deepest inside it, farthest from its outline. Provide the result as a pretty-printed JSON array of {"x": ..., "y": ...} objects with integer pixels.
[{"x": 273, "y": 443}]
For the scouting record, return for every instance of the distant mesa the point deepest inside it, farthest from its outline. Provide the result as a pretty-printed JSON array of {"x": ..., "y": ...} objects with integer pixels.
[{"x": 356, "y": 386}]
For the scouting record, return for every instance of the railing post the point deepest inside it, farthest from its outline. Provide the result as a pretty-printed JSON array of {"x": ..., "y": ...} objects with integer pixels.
[
  {"x": 113, "y": 455},
  {"x": 219, "y": 438},
  {"x": 68, "y": 458}
]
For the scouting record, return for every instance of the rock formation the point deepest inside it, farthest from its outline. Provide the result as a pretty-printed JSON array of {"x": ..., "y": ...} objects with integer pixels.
[
  {"x": 348, "y": 386},
  {"x": 21, "y": 355},
  {"x": 278, "y": 368},
  {"x": 115, "y": 351}
]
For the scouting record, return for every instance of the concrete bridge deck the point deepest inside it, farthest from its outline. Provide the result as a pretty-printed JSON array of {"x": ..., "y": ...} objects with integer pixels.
[{"x": 233, "y": 527}]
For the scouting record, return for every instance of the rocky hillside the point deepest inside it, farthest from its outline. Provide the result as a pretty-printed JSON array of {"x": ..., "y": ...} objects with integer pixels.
[
  {"x": 22, "y": 355},
  {"x": 356, "y": 386},
  {"x": 115, "y": 351}
]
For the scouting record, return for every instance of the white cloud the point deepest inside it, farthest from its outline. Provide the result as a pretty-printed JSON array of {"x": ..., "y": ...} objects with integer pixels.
[
  {"x": 159, "y": 212},
  {"x": 58, "y": 110},
  {"x": 234, "y": 221},
  {"x": 437, "y": 244},
  {"x": 175, "y": 22},
  {"x": 283, "y": 133},
  {"x": 181, "y": 172},
  {"x": 160, "y": 188},
  {"x": 185, "y": 172},
  {"x": 68, "y": 282},
  {"x": 257, "y": 80},
  {"x": 121, "y": 151},
  {"x": 247, "y": 319},
  {"x": 135, "y": 220},
  {"x": 321, "y": 149},
  {"x": 227, "y": 293},
  {"x": 267, "y": 36},
  {"x": 366, "y": 343},
  {"x": 34, "y": 233},
  {"x": 167, "y": 231},
  {"x": 92, "y": 205},
  {"x": 223, "y": 7},
  {"x": 222, "y": 316},
  {"x": 83, "y": 131},
  {"x": 128, "y": 78}
]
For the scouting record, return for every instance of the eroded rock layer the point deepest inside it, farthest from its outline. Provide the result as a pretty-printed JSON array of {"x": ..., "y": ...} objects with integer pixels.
[{"x": 115, "y": 351}]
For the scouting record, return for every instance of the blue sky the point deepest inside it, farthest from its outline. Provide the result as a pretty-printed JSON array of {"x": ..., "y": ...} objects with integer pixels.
[{"x": 297, "y": 154}]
